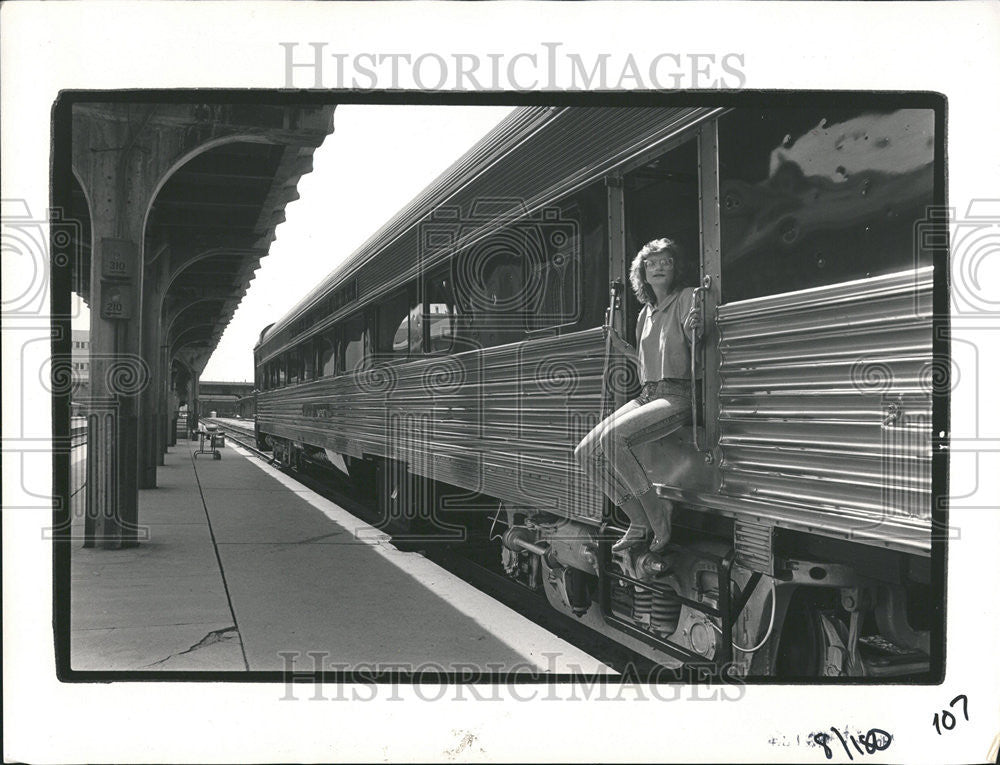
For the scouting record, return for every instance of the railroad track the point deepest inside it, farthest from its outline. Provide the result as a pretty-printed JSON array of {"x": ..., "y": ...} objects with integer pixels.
[
  {"x": 244, "y": 436},
  {"x": 464, "y": 562}
]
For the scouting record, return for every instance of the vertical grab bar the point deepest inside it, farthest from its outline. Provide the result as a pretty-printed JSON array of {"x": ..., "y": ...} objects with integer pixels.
[
  {"x": 697, "y": 303},
  {"x": 609, "y": 326}
]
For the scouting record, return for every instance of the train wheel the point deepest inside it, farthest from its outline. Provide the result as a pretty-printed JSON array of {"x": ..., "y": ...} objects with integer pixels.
[{"x": 810, "y": 644}]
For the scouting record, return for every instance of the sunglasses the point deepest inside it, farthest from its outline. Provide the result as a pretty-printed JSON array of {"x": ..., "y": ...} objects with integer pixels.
[{"x": 665, "y": 262}]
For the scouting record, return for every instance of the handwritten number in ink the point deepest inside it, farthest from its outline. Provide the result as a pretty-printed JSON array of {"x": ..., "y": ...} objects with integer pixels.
[
  {"x": 875, "y": 740},
  {"x": 821, "y": 739},
  {"x": 857, "y": 745},
  {"x": 945, "y": 719},
  {"x": 965, "y": 704},
  {"x": 843, "y": 743}
]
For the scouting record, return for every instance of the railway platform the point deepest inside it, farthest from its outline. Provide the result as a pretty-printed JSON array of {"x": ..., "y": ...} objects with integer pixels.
[{"x": 243, "y": 569}]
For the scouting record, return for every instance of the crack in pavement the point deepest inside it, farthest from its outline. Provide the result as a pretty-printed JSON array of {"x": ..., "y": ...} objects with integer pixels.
[
  {"x": 317, "y": 538},
  {"x": 215, "y": 636}
]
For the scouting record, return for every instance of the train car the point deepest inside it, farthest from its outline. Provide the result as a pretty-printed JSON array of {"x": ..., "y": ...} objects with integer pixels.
[
  {"x": 455, "y": 360},
  {"x": 246, "y": 407}
]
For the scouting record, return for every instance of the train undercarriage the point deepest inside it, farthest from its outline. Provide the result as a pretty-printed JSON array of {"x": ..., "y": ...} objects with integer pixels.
[{"x": 814, "y": 607}]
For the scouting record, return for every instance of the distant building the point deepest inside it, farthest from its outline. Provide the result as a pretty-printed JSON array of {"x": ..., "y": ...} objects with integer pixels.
[
  {"x": 80, "y": 361},
  {"x": 81, "y": 355},
  {"x": 221, "y": 397}
]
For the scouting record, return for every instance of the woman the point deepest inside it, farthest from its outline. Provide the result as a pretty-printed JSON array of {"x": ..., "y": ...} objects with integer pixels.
[{"x": 663, "y": 332}]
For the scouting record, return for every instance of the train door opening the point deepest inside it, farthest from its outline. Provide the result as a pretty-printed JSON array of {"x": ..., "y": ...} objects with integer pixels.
[{"x": 661, "y": 200}]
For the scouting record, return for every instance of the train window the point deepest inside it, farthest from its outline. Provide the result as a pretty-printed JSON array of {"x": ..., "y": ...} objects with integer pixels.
[
  {"x": 416, "y": 329},
  {"x": 399, "y": 324},
  {"x": 812, "y": 197},
  {"x": 490, "y": 287},
  {"x": 569, "y": 234},
  {"x": 294, "y": 366},
  {"x": 326, "y": 359},
  {"x": 353, "y": 338},
  {"x": 441, "y": 315},
  {"x": 309, "y": 360},
  {"x": 280, "y": 367}
]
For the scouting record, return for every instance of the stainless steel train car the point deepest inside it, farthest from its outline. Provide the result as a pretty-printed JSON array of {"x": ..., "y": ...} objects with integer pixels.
[{"x": 454, "y": 361}]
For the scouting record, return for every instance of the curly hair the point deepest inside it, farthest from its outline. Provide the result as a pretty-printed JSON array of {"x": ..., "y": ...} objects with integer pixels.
[{"x": 637, "y": 273}]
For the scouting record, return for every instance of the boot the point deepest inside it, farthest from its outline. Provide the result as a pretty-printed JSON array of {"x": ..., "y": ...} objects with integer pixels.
[
  {"x": 659, "y": 512},
  {"x": 638, "y": 528}
]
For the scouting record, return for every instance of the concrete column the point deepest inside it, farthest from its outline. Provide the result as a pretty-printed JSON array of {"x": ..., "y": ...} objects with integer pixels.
[
  {"x": 149, "y": 401},
  {"x": 119, "y": 183},
  {"x": 180, "y": 375},
  {"x": 120, "y": 156},
  {"x": 174, "y": 410},
  {"x": 117, "y": 375},
  {"x": 193, "y": 409},
  {"x": 167, "y": 405}
]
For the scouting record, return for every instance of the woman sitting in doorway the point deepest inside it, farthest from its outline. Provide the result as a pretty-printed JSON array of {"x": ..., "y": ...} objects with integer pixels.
[{"x": 663, "y": 334}]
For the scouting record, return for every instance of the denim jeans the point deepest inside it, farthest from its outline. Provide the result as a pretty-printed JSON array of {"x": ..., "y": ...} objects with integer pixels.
[{"x": 606, "y": 453}]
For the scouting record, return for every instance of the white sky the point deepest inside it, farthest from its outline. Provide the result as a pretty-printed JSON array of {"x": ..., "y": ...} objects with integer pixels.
[{"x": 376, "y": 160}]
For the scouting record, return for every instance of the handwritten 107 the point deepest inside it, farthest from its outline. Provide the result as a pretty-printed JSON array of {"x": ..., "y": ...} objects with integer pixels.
[
  {"x": 945, "y": 719},
  {"x": 875, "y": 740}
]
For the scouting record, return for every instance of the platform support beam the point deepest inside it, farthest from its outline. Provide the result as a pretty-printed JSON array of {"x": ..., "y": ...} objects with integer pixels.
[
  {"x": 149, "y": 402},
  {"x": 193, "y": 413},
  {"x": 167, "y": 405},
  {"x": 121, "y": 156},
  {"x": 118, "y": 169}
]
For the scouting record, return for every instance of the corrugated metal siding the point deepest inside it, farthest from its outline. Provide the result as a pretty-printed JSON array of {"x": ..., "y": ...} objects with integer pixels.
[
  {"x": 503, "y": 421},
  {"x": 537, "y": 154},
  {"x": 825, "y": 399}
]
